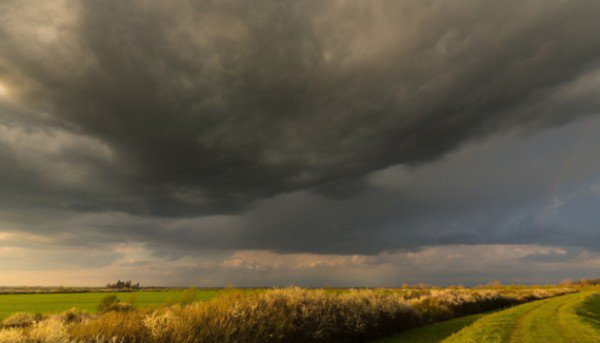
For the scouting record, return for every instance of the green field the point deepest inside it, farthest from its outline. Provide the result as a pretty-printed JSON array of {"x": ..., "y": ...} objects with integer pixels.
[
  {"x": 435, "y": 332},
  {"x": 52, "y": 303},
  {"x": 568, "y": 318}
]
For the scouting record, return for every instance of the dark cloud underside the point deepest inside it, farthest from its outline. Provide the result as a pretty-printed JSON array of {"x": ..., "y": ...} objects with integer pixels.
[{"x": 212, "y": 105}]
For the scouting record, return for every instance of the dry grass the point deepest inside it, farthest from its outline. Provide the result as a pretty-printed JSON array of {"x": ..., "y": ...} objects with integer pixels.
[{"x": 278, "y": 315}]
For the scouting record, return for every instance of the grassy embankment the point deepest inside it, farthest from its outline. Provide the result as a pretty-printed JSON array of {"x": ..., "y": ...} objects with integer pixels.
[{"x": 568, "y": 318}]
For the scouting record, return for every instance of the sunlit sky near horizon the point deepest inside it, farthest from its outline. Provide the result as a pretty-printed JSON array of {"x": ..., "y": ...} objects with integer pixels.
[{"x": 313, "y": 143}]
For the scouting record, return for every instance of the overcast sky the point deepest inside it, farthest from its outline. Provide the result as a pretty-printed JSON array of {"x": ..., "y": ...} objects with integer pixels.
[{"x": 315, "y": 143}]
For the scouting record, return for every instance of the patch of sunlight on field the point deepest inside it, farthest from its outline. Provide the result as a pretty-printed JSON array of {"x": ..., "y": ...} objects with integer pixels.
[
  {"x": 554, "y": 320},
  {"x": 569, "y": 318},
  {"x": 53, "y": 303}
]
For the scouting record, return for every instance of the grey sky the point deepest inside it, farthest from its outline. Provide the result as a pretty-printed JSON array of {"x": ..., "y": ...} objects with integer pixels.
[{"x": 189, "y": 135}]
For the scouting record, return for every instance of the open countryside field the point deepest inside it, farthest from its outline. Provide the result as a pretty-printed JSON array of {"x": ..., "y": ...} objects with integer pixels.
[
  {"x": 54, "y": 303},
  {"x": 567, "y": 318},
  {"x": 290, "y": 314}
]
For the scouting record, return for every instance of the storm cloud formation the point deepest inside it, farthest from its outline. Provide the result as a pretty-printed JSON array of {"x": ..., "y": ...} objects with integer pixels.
[{"x": 325, "y": 127}]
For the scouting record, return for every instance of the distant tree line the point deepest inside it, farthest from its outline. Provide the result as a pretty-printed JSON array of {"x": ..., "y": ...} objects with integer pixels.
[{"x": 123, "y": 285}]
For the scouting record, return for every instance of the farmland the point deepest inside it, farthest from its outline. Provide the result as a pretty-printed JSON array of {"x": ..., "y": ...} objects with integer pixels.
[
  {"x": 58, "y": 302},
  {"x": 275, "y": 315}
]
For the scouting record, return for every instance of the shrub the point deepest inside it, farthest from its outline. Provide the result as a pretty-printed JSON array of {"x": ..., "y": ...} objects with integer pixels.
[
  {"x": 72, "y": 316},
  {"x": 12, "y": 335},
  {"x": 112, "y": 303},
  {"x": 107, "y": 303},
  {"x": 189, "y": 296},
  {"x": 112, "y": 326},
  {"x": 22, "y": 319},
  {"x": 52, "y": 330}
]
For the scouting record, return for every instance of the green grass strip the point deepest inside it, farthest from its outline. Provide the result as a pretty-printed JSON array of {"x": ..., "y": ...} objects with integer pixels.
[
  {"x": 552, "y": 320},
  {"x": 435, "y": 332},
  {"x": 589, "y": 311},
  {"x": 568, "y": 318}
]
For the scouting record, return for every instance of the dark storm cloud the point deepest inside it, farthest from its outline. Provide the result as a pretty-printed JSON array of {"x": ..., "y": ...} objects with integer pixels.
[
  {"x": 512, "y": 189},
  {"x": 317, "y": 143},
  {"x": 209, "y": 106}
]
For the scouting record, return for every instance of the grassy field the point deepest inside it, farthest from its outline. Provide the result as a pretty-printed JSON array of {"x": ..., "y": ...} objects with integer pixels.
[
  {"x": 274, "y": 315},
  {"x": 589, "y": 311},
  {"x": 568, "y": 318},
  {"x": 435, "y": 332},
  {"x": 53, "y": 303}
]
